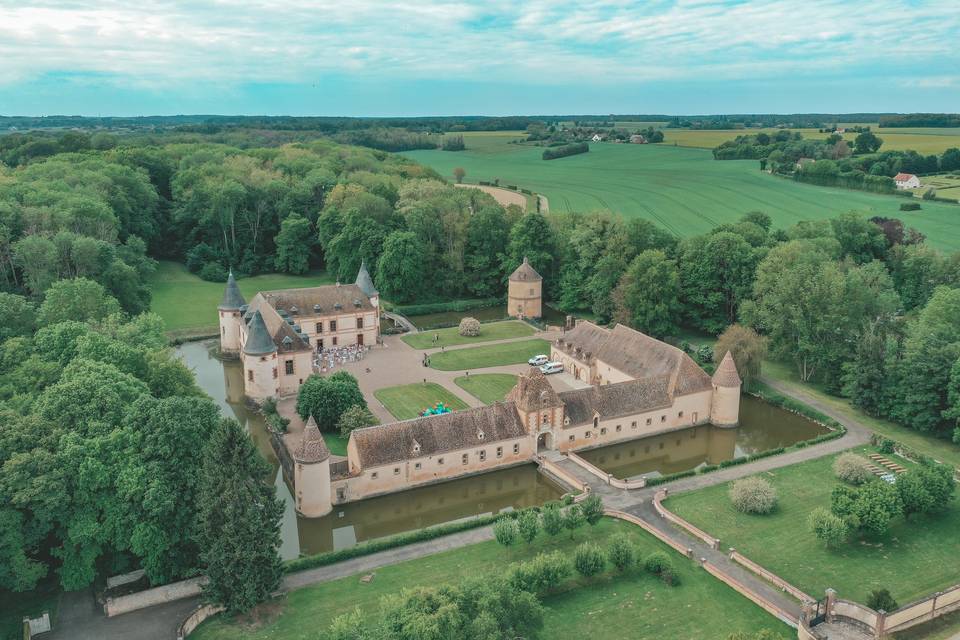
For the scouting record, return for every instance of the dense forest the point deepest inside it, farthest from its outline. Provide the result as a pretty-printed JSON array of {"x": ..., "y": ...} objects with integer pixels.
[{"x": 920, "y": 120}]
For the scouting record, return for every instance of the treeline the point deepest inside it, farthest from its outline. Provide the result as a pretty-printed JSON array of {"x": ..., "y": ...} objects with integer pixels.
[
  {"x": 920, "y": 120},
  {"x": 388, "y": 139},
  {"x": 565, "y": 150}
]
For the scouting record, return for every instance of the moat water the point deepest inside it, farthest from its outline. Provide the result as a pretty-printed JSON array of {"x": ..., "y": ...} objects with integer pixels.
[
  {"x": 762, "y": 427},
  {"x": 513, "y": 488}
]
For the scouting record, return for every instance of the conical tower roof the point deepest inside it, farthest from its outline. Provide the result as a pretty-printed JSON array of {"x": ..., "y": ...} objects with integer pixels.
[
  {"x": 726, "y": 374},
  {"x": 259, "y": 341},
  {"x": 364, "y": 281},
  {"x": 525, "y": 272},
  {"x": 232, "y": 298},
  {"x": 312, "y": 447}
]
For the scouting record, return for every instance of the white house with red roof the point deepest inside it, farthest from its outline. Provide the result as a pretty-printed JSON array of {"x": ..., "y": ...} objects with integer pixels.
[{"x": 906, "y": 181}]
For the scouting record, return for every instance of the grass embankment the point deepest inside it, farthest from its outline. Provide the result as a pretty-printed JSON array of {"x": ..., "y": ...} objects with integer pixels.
[
  {"x": 491, "y": 355},
  {"x": 943, "y": 628},
  {"x": 682, "y": 189},
  {"x": 488, "y": 332},
  {"x": 635, "y": 607},
  {"x": 188, "y": 305},
  {"x": 916, "y": 557},
  {"x": 408, "y": 400},
  {"x": 487, "y": 387}
]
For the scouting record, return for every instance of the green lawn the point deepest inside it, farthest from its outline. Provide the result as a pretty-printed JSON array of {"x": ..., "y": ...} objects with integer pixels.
[
  {"x": 408, "y": 400},
  {"x": 938, "y": 448},
  {"x": 682, "y": 189},
  {"x": 336, "y": 443},
  {"x": 916, "y": 558},
  {"x": 634, "y": 607},
  {"x": 491, "y": 355},
  {"x": 487, "y": 387},
  {"x": 488, "y": 332},
  {"x": 188, "y": 305}
]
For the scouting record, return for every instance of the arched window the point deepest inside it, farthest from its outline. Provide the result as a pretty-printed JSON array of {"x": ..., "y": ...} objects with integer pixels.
[{"x": 596, "y": 421}]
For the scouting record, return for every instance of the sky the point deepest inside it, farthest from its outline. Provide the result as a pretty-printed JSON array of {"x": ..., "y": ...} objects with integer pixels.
[{"x": 439, "y": 57}]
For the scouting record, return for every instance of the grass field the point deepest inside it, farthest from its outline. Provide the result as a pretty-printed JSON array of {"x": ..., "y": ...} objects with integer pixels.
[
  {"x": 632, "y": 607},
  {"x": 682, "y": 189},
  {"x": 406, "y": 401},
  {"x": 947, "y": 186},
  {"x": 489, "y": 331},
  {"x": 487, "y": 387},
  {"x": 336, "y": 443},
  {"x": 916, "y": 558},
  {"x": 491, "y": 355},
  {"x": 188, "y": 305}
]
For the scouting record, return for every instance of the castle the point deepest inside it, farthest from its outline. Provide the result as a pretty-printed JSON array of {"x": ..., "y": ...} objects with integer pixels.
[{"x": 277, "y": 334}]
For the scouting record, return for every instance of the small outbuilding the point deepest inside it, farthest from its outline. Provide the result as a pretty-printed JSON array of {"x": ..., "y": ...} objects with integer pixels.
[{"x": 906, "y": 181}]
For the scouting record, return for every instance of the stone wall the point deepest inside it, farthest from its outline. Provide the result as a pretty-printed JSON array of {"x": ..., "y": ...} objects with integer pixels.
[
  {"x": 194, "y": 619},
  {"x": 150, "y": 597},
  {"x": 700, "y": 534},
  {"x": 923, "y": 610}
]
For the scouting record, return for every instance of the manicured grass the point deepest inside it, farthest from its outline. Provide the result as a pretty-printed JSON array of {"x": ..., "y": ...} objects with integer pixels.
[
  {"x": 487, "y": 387},
  {"x": 488, "y": 332},
  {"x": 491, "y": 355},
  {"x": 916, "y": 557},
  {"x": 188, "y": 305},
  {"x": 336, "y": 443},
  {"x": 943, "y": 628},
  {"x": 682, "y": 189},
  {"x": 634, "y": 607},
  {"x": 408, "y": 400},
  {"x": 937, "y": 448}
]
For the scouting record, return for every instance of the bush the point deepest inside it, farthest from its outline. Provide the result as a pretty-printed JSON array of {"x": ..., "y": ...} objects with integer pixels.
[
  {"x": 832, "y": 530},
  {"x": 620, "y": 552},
  {"x": 505, "y": 531},
  {"x": 930, "y": 194},
  {"x": 469, "y": 327},
  {"x": 528, "y": 526},
  {"x": 452, "y": 305},
  {"x": 852, "y": 469},
  {"x": 670, "y": 477},
  {"x": 657, "y": 562},
  {"x": 565, "y": 150},
  {"x": 546, "y": 571},
  {"x": 573, "y": 519},
  {"x": 753, "y": 495},
  {"x": 589, "y": 560},
  {"x": 887, "y": 446},
  {"x": 909, "y": 206},
  {"x": 592, "y": 509},
  {"x": 552, "y": 518},
  {"x": 213, "y": 272},
  {"x": 881, "y": 600}
]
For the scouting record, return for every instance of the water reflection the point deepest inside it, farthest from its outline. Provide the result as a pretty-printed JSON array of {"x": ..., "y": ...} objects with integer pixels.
[{"x": 762, "y": 427}]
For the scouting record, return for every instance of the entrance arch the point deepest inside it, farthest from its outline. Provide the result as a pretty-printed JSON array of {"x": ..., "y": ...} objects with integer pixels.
[{"x": 545, "y": 442}]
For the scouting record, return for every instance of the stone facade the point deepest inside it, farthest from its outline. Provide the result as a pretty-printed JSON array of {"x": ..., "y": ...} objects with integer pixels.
[{"x": 525, "y": 292}]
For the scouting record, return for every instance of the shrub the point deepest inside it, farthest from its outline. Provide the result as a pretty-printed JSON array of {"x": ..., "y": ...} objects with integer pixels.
[
  {"x": 753, "y": 495},
  {"x": 589, "y": 560},
  {"x": 546, "y": 571},
  {"x": 851, "y": 468},
  {"x": 469, "y": 327},
  {"x": 552, "y": 519},
  {"x": 528, "y": 526},
  {"x": 505, "y": 531},
  {"x": 881, "y": 600},
  {"x": 832, "y": 530},
  {"x": 592, "y": 509},
  {"x": 886, "y": 446},
  {"x": 565, "y": 150},
  {"x": 656, "y": 562},
  {"x": 670, "y": 477},
  {"x": 930, "y": 194},
  {"x": 355, "y": 417},
  {"x": 620, "y": 552},
  {"x": 442, "y": 307},
  {"x": 909, "y": 206},
  {"x": 213, "y": 272},
  {"x": 573, "y": 519}
]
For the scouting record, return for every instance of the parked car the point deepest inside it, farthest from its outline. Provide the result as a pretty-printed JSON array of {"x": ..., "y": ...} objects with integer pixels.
[
  {"x": 539, "y": 360},
  {"x": 552, "y": 367}
]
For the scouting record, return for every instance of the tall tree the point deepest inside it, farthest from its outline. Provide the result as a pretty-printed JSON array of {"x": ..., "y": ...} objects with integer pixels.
[
  {"x": 400, "y": 271},
  {"x": 747, "y": 348},
  {"x": 716, "y": 275},
  {"x": 647, "y": 297},
  {"x": 293, "y": 245}
]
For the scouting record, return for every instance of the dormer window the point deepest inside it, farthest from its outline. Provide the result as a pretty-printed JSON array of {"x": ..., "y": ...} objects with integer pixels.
[
  {"x": 566, "y": 420},
  {"x": 416, "y": 448},
  {"x": 546, "y": 418},
  {"x": 480, "y": 434},
  {"x": 596, "y": 421},
  {"x": 294, "y": 310}
]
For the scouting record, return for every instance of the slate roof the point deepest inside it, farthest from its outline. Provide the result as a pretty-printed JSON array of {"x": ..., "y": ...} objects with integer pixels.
[
  {"x": 280, "y": 329},
  {"x": 615, "y": 400},
  {"x": 525, "y": 272},
  {"x": 726, "y": 374},
  {"x": 312, "y": 447},
  {"x": 258, "y": 341},
  {"x": 588, "y": 337},
  {"x": 364, "y": 281},
  {"x": 533, "y": 391},
  {"x": 388, "y": 443},
  {"x": 232, "y": 298},
  {"x": 302, "y": 302}
]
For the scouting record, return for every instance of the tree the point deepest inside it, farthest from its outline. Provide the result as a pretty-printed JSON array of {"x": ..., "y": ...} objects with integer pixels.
[
  {"x": 753, "y": 495},
  {"x": 552, "y": 519},
  {"x": 573, "y": 519},
  {"x": 400, "y": 270},
  {"x": 18, "y": 316},
  {"x": 647, "y": 297},
  {"x": 747, "y": 348},
  {"x": 532, "y": 237},
  {"x": 327, "y": 399},
  {"x": 592, "y": 509},
  {"x": 830, "y": 529},
  {"x": 355, "y": 417},
  {"x": 486, "y": 243},
  {"x": 505, "y": 531},
  {"x": 852, "y": 469},
  {"x": 620, "y": 552},
  {"x": 589, "y": 560},
  {"x": 716, "y": 275},
  {"x": 913, "y": 493},
  {"x": 528, "y": 525},
  {"x": 859, "y": 238},
  {"x": 865, "y": 377},
  {"x": 866, "y": 142},
  {"x": 239, "y": 522},
  {"x": 78, "y": 299},
  {"x": 546, "y": 571},
  {"x": 881, "y": 600},
  {"x": 294, "y": 243},
  {"x": 459, "y": 173},
  {"x": 36, "y": 257},
  {"x": 950, "y": 160}
]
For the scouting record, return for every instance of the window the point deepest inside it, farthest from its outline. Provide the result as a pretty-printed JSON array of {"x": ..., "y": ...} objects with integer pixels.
[
  {"x": 360, "y": 322},
  {"x": 571, "y": 438},
  {"x": 440, "y": 461},
  {"x": 603, "y": 431},
  {"x": 417, "y": 466},
  {"x": 680, "y": 414},
  {"x": 374, "y": 475},
  {"x": 341, "y": 494},
  {"x": 596, "y": 421},
  {"x": 619, "y": 428},
  {"x": 480, "y": 435},
  {"x": 663, "y": 418},
  {"x": 499, "y": 452},
  {"x": 249, "y": 375},
  {"x": 274, "y": 373},
  {"x": 319, "y": 327},
  {"x": 466, "y": 458},
  {"x": 661, "y": 445},
  {"x": 516, "y": 449},
  {"x": 483, "y": 455},
  {"x": 633, "y": 424},
  {"x": 288, "y": 367},
  {"x": 588, "y": 434},
  {"x": 531, "y": 292},
  {"x": 649, "y": 421},
  {"x": 396, "y": 471},
  {"x": 546, "y": 418},
  {"x": 334, "y": 340},
  {"x": 333, "y": 326}
]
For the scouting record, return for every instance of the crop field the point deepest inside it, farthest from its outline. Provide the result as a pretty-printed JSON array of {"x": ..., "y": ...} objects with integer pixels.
[
  {"x": 682, "y": 189},
  {"x": 947, "y": 186}
]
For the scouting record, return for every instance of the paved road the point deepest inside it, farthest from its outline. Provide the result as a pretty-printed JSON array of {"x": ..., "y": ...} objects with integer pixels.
[{"x": 81, "y": 618}]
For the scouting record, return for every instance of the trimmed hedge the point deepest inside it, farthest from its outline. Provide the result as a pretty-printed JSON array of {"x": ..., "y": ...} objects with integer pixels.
[
  {"x": 553, "y": 153},
  {"x": 670, "y": 477},
  {"x": 909, "y": 206},
  {"x": 452, "y": 305}
]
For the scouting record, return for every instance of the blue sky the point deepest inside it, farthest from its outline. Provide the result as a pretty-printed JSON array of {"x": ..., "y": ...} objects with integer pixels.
[{"x": 427, "y": 57}]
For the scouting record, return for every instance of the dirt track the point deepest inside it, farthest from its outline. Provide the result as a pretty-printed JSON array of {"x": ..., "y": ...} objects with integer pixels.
[{"x": 501, "y": 195}]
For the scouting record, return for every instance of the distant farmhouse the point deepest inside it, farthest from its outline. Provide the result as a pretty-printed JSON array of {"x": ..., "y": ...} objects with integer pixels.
[
  {"x": 906, "y": 181},
  {"x": 638, "y": 139},
  {"x": 802, "y": 162},
  {"x": 597, "y": 137}
]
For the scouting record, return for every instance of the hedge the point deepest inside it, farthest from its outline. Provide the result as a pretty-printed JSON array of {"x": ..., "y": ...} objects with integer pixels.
[
  {"x": 670, "y": 477},
  {"x": 452, "y": 305},
  {"x": 909, "y": 206},
  {"x": 566, "y": 150}
]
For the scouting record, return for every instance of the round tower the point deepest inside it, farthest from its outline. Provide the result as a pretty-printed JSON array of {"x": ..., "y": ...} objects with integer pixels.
[
  {"x": 725, "y": 404},
  {"x": 525, "y": 292},
  {"x": 311, "y": 473},
  {"x": 230, "y": 311},
  {"x": 261, "y": 379}
]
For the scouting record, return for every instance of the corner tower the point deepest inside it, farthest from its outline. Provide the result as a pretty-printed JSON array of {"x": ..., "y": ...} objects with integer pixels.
[
  {"x": 525, "y": 292},
  {"x": 230, "y": 314},
  {"x": 725, "y": 405},
  {"x": 311, "y": 473},
  {"x": 261, "y": 379},
  {"x": 365, "y": 282}
]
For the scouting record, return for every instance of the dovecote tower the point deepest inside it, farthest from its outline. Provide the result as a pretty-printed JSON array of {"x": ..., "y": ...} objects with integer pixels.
[
  {"x": 311, "y": 473},
  {"x": 725, "y": 406},
  {"x": 525, "y": 292}
]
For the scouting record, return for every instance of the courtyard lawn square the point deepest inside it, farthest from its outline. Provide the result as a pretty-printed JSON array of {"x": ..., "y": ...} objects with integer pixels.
[
  {"x": 336, "y": 443},
  {"x": 636, "y": 606},
  {"x": 916, "y": 558},
  {"x": 451, "y": 336},
  {"x": 491, "y": 355},
  {"x": 487, "y": 387},
  {"x": 409, "y": 400}
]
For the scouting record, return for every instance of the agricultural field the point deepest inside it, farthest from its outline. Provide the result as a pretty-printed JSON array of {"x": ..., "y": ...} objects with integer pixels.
[
  {"x": 188, "y": 305},
  {"x": 488, "y": 331},
  {"x": 408, "y": 400},
  {"x": 682, "y": 189},
  {"x": 947, "y": 185},
  {"x": 487, "y": 387},
  {"x": 635, "y": 606},
  {"x": 491, "y": 355},
  {"x": 915, "y": 558}
]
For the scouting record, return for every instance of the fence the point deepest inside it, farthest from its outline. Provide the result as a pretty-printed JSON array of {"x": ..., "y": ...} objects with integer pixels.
[
  {"x": 606, "y": 477},
  {"x": 768, "y": 575},
  {"x": 194, "y": 619},
  {"x": 713, "y": 543},
  {"x": 552, "y": 469}
]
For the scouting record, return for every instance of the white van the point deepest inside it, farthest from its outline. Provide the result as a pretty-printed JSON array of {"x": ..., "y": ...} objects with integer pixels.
[
  {"x": 552, "y": 367},
  {"x": 539, "y": 360}
]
